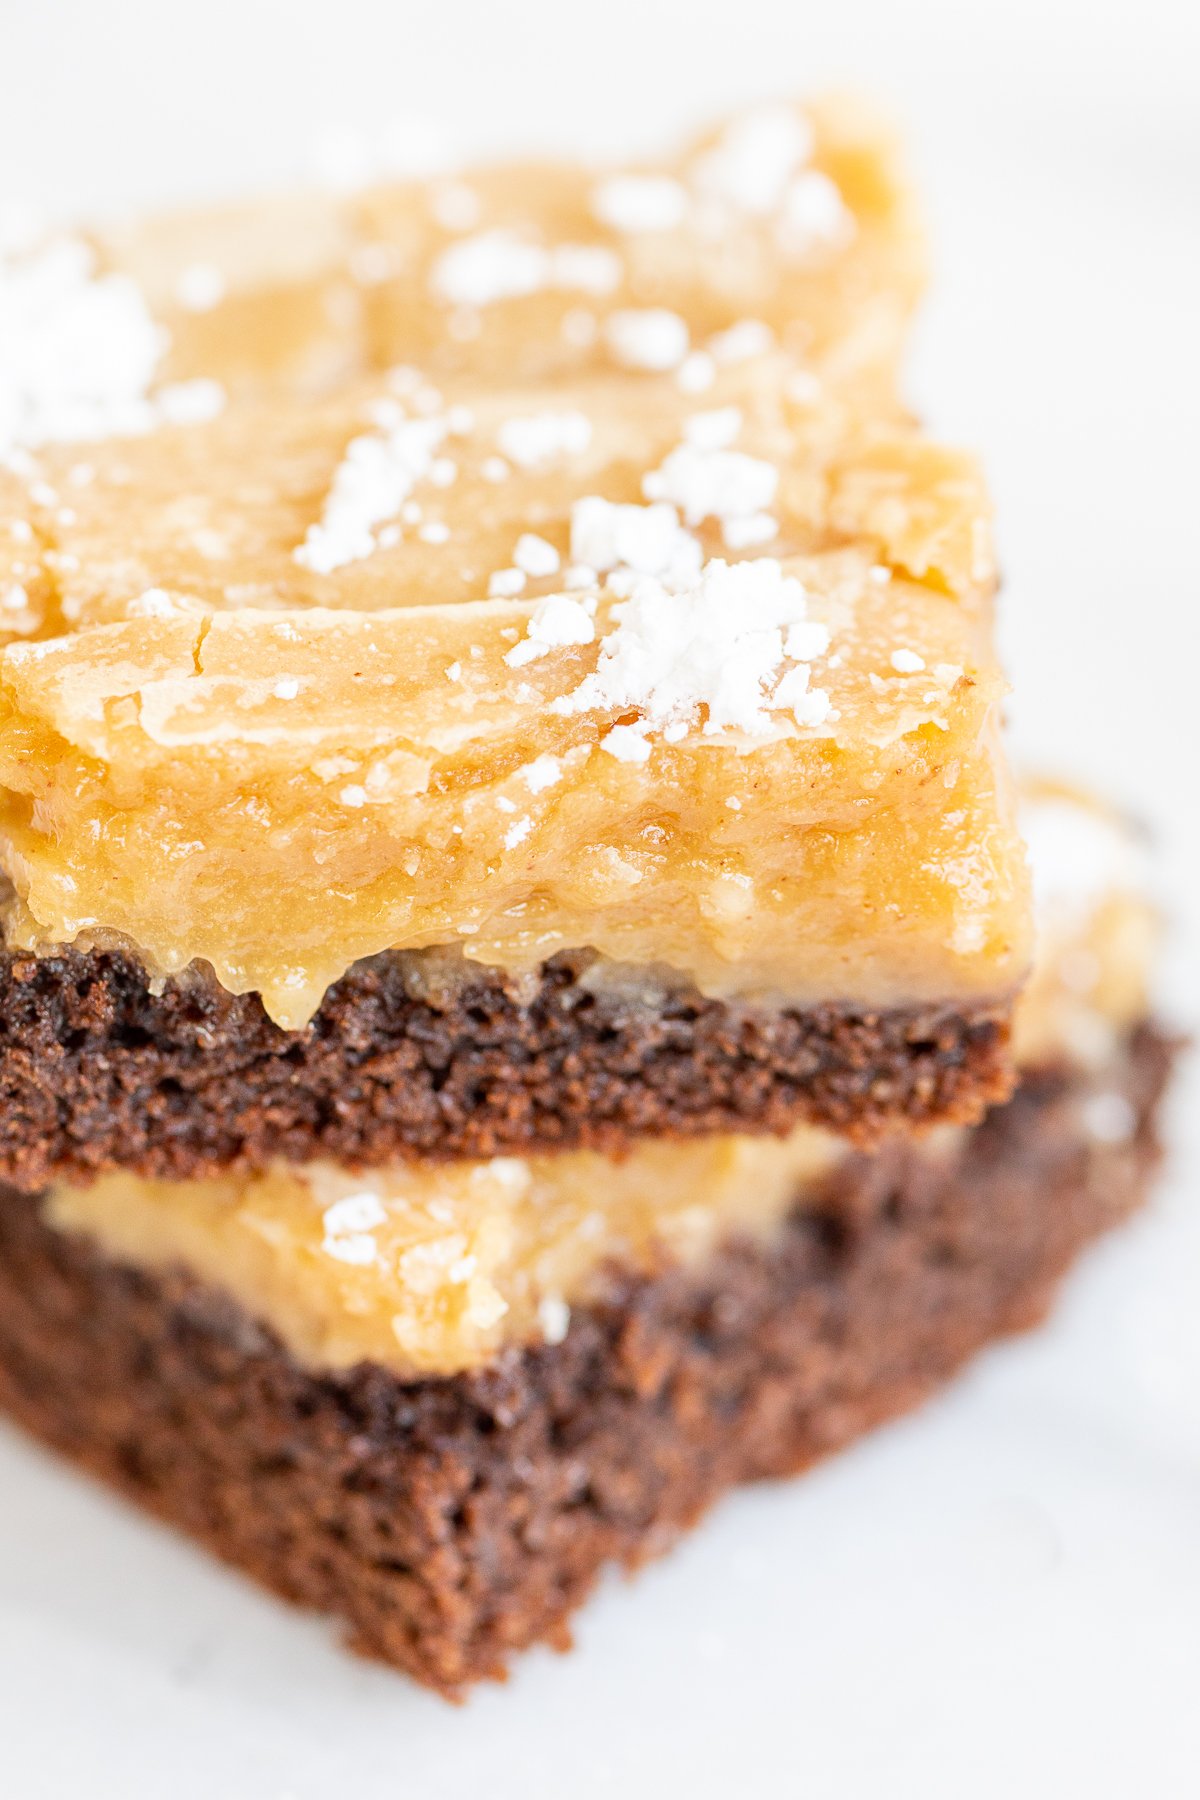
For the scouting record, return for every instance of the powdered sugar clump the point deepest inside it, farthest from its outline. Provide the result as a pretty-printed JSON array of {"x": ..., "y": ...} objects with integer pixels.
[
  {"x": 349, "y": 1224},
  {"x": 813, "y": 214},
  {"x": 713, "y": 430},
  {"x": 200, "y": 287},
  {"x": 558, "y": 621},
  {"x": 628, "y": 743},
  {"x": 721, "y": 645},
  {"x": 741, "y": 342},
  {"x": 534, "y": 556},
  {"x": 716, "y": 484},
  {"x": 78, "y": 353},
  {"x": 637, "y": 203},
  {"x": 649, "y": 338},
  {"x": 371, "y": 483},
  {"x": 755, "y": 157},
  {"x": 707, "y": 479},
  {"x": 746, "y": 531},
  {"x": 501, "y": 265},
  {"x": 608, "y": 535},
  {"x": 542, "y": 773},
  {"x": 535, "y": 439},
  {"x": 759, "y": 170},
  {"x": 188, "y": 402}
]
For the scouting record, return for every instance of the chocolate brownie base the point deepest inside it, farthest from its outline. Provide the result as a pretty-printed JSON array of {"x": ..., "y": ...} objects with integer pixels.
[
  {"x": 99, "y": 1071},
  {"x": 451, "y": 1522}
]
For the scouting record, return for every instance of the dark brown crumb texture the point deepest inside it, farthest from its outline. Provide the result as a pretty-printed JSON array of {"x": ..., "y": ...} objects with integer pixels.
[
  {"x": 449, "y": 1523},
  {"x": 98, "y": 1071}
]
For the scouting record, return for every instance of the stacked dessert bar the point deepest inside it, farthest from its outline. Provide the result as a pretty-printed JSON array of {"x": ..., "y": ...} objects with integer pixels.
[{"x": 515, "y": 899}]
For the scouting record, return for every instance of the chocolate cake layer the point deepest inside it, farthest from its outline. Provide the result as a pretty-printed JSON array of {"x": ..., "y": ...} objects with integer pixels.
[
  {"x": 100, "y": 1070},
  {"x": 451, "y": 1522}
]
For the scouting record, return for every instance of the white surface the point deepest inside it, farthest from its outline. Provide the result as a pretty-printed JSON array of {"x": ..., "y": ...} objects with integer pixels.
[{"x": 1001, "y": 1596}]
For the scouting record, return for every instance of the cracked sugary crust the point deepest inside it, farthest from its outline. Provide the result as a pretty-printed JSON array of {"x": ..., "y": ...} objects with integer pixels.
[
  {"x": 449, "y": 1523},
  {"x": 97, "y": 1071}
]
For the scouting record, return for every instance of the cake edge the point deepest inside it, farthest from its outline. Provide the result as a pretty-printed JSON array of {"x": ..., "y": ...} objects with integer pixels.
[
  {"x": 448, "y": 1523},
  {"x": 101, "y": 1068}
]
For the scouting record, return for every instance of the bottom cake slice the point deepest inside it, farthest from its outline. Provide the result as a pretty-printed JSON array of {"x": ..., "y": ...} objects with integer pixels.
[{"x": 452, "y": 1518}]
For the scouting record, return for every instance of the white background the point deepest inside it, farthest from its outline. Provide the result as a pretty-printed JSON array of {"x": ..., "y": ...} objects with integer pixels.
[{"x": 1001, "y": 1596}]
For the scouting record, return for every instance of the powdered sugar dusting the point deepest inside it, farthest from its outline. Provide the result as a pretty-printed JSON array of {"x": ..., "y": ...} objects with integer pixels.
[
  {"x": 720, "y": 645},
  {"x": 542, "y": 773},
  {"x": 558, "y": 621},
  {"x": 713, "y": 430},
  {"x": 554, "y": 1317},
  {"x": 696, "y": 373},
  {"x": 349, "y": 1224},
  {"x": 717, "y": 484},
  {"x": 534, "y": 440},
  {"x": 534, "y": 556},
  {"x": 648, "y": 338},
  {"x": 78, "y": 353},
  {"x": 371, "y": 483},
  {"x": 501, "y": 265},
  {"x": 741, "y": 342},
  {"x": 628, "y": 743},
  {"x": 608, "y": 535},
  {"x": 755, "y": 157},
  {"x": 746, "y": 531},
  {"x": 189, "y": 402},
  {"x": 637, "y": 203},
  {"x": 200, "y": 287},
  {"x": 813, "y": 215}
]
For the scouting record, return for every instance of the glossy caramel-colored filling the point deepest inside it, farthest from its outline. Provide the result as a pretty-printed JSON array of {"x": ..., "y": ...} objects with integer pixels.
[
  {"x": 274, "y": 696},
  {"x": 303, "y": 291},
  {"x": 211, "y": 516},
  {"x": 171, "y": 779},
  {"x": 433, "y": 1269}
]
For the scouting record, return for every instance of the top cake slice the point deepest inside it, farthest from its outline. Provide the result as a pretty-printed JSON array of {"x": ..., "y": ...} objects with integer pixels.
[
  {"x": 463, "y": 759},
  {"x": 702, "y": 694},
  {"x": 799, "y": 219}
]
